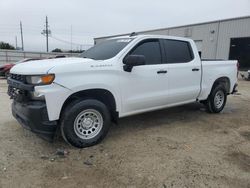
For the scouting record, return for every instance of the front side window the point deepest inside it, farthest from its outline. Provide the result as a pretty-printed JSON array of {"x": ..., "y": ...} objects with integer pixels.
[
  {"x": 107, "y": 49},
  {"x": 178, "y": 51},
  {"x": 150, "y": 49}
]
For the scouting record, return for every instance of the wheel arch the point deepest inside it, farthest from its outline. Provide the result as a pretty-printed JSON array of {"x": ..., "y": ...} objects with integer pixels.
[
  {"x": 224, "y": 81},
  {"x": 102, "y": 95}
]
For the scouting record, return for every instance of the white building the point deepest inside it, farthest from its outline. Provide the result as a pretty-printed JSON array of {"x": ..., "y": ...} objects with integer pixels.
[{"x": 222, "y": 39}]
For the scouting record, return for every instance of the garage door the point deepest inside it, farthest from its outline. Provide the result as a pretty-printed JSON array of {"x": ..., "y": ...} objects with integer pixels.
[{"x": 240, "y": 50}]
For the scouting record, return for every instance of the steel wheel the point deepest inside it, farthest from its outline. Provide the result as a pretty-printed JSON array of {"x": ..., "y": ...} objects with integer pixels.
[
  {"x": 88, "y": 124},
  {"x": 219, "y": 99}
]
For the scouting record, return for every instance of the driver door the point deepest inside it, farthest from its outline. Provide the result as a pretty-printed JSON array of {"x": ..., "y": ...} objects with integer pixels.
[{"x": 146, "y": 86}]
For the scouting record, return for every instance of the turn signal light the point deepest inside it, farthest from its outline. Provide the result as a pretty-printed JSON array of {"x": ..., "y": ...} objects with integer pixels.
[{"x": 48, "y": 79}]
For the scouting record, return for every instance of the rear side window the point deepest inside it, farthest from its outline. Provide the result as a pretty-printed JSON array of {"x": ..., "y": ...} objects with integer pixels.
[
  {"x": 178, "y": 51},
  {"x": 150, "y": 49}
]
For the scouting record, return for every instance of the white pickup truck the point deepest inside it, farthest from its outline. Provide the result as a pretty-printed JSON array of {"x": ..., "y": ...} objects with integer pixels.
[{"x": 120, "y": 77}]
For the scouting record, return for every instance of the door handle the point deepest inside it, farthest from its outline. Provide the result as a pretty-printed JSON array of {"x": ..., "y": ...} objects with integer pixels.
[
  {"x": 195, "y": 69},
  {"x": 162, "y": 72}
]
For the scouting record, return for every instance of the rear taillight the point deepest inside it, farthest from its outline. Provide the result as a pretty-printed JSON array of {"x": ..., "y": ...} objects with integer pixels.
[{"x": 238, "y": 66}]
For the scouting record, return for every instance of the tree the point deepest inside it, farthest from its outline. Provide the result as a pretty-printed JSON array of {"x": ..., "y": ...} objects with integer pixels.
[
  {"x": 7, "y": 46},
  {"x": 57, "y": 50},
  {"x": 75, "y": 51}
]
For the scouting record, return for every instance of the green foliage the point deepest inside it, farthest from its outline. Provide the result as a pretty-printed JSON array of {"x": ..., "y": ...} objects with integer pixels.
[
  {"x": 7, "y": 46},
  {"x": 70, "y": 51},
  {"x": 75, "y": 51},
  {"x": 57, "y": 50}
]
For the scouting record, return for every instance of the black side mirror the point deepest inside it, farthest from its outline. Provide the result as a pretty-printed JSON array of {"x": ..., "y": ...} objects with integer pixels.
[{"x": 133, "y": 60}]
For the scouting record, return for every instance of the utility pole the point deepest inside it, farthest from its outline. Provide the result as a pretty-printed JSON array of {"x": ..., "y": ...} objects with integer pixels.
[
  {"x": 47, "y": 34},
  {"x": 71, "y": 38},
  {"x": 16, "y": 42},
  {"x": 21, "y": 29}
]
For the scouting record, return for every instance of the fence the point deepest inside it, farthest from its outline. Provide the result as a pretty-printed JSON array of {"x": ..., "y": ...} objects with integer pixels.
[{"x": 12, "y": 56}]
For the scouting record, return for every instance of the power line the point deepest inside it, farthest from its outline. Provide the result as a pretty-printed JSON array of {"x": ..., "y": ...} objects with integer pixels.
[
  {"x": 69, "y": 42},
  {"x": 7, "y": 29},
  {"x": 77, "y": 31},
  {"x": 58, "y": 28}
]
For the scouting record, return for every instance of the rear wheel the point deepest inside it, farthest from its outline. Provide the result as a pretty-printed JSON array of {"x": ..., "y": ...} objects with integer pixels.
[
  {"x": 217, "y": 99},
  {"x": 85, "y": 123}
]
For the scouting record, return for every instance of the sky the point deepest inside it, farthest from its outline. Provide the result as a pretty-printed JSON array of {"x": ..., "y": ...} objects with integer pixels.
[{"x": 80, "y": 21}]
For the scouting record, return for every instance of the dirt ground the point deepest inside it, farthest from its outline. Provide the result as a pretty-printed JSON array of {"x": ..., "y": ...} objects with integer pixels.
[{"x": 178, "y": 147}]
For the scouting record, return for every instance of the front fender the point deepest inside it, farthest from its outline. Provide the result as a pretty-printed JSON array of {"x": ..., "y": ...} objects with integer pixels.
[
  {"x": 55, "y": 96},
  {"x": 113, "y": 91}
]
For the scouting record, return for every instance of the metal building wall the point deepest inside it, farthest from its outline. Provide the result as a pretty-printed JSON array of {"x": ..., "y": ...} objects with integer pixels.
[
  {"x": 212, "y": 38},
  {"x": 205, "y": 35},
  {"x": 156, "y": 32},
  {"x": 231, "y": 29}
]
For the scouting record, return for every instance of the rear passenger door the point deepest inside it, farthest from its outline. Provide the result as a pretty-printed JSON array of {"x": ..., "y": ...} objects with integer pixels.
[{"x": 184, "y": 71}]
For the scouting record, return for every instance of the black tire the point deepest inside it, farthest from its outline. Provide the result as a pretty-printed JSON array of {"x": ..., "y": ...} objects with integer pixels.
[
  {"x": 72, "y": 112},
  {"x": 211, "y": 101}
]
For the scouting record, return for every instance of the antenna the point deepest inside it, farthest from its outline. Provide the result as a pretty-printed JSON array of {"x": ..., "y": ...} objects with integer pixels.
[{"x": 133, "y": 34}]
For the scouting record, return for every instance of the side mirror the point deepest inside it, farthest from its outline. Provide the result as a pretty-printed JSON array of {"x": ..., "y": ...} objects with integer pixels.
[{"x": 133, "y": 60}]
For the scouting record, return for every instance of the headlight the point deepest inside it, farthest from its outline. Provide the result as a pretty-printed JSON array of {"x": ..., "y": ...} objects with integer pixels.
[
  {"x": 36, "y": 96},
  {"x": 40, "y": 79}
]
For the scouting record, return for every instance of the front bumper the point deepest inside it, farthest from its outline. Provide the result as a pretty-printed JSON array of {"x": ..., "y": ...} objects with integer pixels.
[{"x": 33, "y": 116}]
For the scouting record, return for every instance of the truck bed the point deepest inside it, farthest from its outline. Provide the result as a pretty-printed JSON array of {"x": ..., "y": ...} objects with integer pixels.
[{"x": 213, "y": 69}]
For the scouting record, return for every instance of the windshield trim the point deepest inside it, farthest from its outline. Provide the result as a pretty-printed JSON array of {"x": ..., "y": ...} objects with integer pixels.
[{"x": 100, "y": 54}]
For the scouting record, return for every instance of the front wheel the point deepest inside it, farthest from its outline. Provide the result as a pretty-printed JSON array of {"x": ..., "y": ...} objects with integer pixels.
[
  {"x": 217, "y": 99},
  {"x": 85, "y": 123}
]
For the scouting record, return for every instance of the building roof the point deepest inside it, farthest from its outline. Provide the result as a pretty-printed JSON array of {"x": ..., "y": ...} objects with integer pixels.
[{"x": 214, "y": 21}]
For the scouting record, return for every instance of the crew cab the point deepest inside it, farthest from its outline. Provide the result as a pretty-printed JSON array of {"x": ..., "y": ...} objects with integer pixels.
[{"x": 119, "y": 77}]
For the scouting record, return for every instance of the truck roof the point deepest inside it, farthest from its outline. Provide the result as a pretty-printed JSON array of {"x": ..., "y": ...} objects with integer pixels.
[{"x": 151, "y": 36}]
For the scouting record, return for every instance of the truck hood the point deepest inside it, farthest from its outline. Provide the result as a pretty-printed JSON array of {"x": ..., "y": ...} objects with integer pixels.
[{"x": 43, "y": 66}]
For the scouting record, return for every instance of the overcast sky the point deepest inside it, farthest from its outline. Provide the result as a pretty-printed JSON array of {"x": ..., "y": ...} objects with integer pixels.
[{"x": 96, "y": 18}]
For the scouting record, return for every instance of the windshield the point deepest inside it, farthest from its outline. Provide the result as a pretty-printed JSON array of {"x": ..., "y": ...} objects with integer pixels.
[{"x": 107, "y": 49}]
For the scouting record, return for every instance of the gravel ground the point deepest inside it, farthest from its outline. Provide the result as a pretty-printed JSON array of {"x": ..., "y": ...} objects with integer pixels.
[{"x": 177, "y": 147}]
